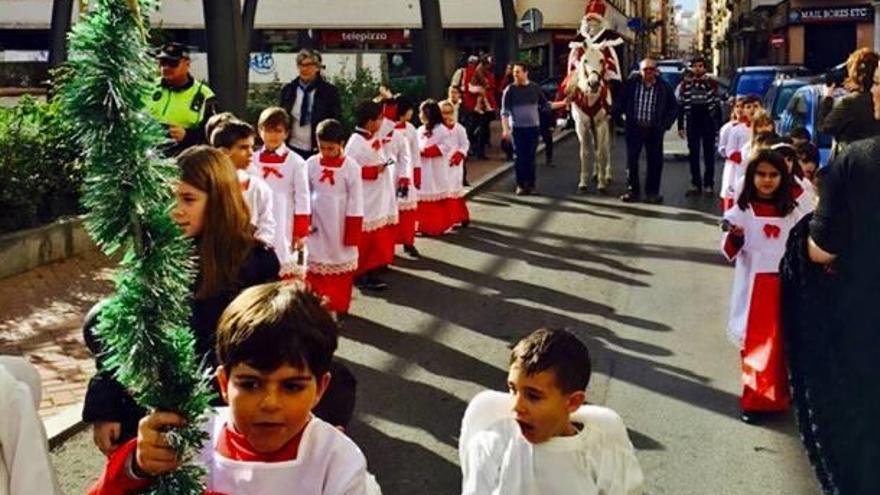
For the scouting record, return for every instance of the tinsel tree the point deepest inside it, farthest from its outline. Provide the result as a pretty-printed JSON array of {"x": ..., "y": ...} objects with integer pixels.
[{"x": 128, "y": 195}]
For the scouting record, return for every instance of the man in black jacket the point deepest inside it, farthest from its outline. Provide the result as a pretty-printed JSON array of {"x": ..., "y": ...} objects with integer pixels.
[
  {"x": 309, "y": 99},
  {"x": 649, "y": 106}
]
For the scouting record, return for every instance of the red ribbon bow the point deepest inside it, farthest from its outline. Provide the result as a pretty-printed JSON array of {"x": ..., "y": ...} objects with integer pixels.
[
  {"x": 245, "y": 185},
  {"x": 772, "y": 231},
  {"x": 268, "y": 170},
  {"x": 377, "y": 144},
  {"x": 327, "y": 174},
  {"x": 400, "y": 125}
]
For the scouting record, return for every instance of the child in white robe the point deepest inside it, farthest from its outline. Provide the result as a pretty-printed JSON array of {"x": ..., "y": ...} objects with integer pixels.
[
  {"x": 434, "y": 217},
  {"x": 756, "y": 231},
  {"x": 25, "y": 467},
  {"x": 236, "y": 139},
  {"x": 275, "y": 343},
  {"x": 456, "y": 146},
  {"x": 407, "y": 204},
  {"x": 540, "y": 438},
  {"x": 285, "y": 173},
  {"x": 366, "y": 148},
  {"x": 337, "y": 217},
  {"x": 734, "y": 160}
]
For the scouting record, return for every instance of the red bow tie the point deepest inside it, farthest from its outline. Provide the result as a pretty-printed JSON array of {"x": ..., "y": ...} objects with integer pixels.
[
  {"x": 270, "y": 170},
  {"x": 332, "y": 162},
  {"x": 245, "y": 185},
  {"x": 377, "y": 144},
  {"x": 327, "y": 174},
  {"x": 400, "y": 125},
  {"x": 772, "y": 231},
  {"x": 272, "y": 157}
]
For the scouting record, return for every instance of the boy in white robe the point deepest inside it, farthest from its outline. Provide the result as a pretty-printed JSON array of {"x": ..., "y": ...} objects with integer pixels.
[
  {"x": 337, "y": 217},
  {"x": 236, "y": 139},
  {"x": 25, "y": 467},
  {"x": 407, "y": 204},
  {"x": 366, "y": 147},
  {"x": 285, "y": 173},
  {"x": 275, "y": 343},
  {"x": 455, "y": 146},
  {"x": 540, "y": 438}
]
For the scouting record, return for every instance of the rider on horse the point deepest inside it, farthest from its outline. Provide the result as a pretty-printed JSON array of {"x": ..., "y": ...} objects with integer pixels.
[{"x": 596, "y": 31}]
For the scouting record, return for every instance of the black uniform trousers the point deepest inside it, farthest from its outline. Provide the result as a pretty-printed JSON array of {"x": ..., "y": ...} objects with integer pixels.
[
  {"x": 651, "y": 139},
  {"x": 701, "y": 131}
]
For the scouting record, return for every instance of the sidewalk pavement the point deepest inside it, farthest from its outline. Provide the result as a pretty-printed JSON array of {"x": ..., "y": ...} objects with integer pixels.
[{"x": 42, "y": 312}]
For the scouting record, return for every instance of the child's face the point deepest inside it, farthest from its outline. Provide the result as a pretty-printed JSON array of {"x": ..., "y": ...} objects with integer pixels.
[
  {"x": 748, "y": 109},
  {"x": 448, "y": 114},
  {"x": 374, "y": 125},
  {"x": 767, "y": 180},
  {"x": 809, "y": 169},
  {"x": 273, "y": 136},
  {"x": 407, "y": 117},
  {"x": 737, "y": 110},
  {"x": 241, "y": 153},
  {"x": 329, "y": 149},
  {"x": 189, "y": 208},
  {"x": 270, "y": 408},
  {"x": 539, "y": 406},
  {"x": 423, "y": 117}
]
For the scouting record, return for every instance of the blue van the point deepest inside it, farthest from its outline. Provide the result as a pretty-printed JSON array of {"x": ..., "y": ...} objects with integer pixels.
[
  {"x": 756, "y": 80},
  {"x": 803, "y": 111}
]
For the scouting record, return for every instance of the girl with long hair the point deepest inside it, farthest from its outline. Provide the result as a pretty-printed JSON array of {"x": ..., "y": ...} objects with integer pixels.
[
  {"x": 434, "y": 217},
  {"x": 756, "y": 230}
]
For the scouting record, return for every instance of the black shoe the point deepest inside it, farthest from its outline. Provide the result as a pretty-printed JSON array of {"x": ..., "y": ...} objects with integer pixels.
[
  {"x": 709, "y": 191},
  {"x": 375, "y": 284},
  {"x": 583, "y": 188},
  {"x": 466, "y": 184},
  {"x": 465, "y": 224},
  {"x": 751, "y": 417},
  {"x": 654, "y": 199},
  {"x": 412, "y": 251},
  {"x": 692, "y": 191},
  {"x": 630, "y": 197}
]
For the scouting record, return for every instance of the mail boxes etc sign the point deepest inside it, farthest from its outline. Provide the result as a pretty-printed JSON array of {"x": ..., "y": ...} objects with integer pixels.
[{"x": 859, "y": 13}]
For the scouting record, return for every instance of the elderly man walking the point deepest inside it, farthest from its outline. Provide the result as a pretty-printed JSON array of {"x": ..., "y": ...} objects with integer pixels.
[
  {"x": 649, "y": 106},
  {"x": 308, "y": 99}
]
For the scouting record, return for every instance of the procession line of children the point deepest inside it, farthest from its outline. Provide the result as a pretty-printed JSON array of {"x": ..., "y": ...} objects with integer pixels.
[
  {"x": 335, "y": 219},
  {"x": 767, "y": 189}
]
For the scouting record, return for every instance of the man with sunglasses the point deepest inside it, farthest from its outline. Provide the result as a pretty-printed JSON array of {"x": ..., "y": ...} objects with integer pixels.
[
  {"x": 180, "y": 102},
  {"x": 650, "y": 108},
  {"x": 309, "y": 99}
]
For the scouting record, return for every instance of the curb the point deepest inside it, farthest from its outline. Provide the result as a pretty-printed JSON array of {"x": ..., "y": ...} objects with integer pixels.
[
  {"x": 506, "y": 167},
  {"x": 64, "y": 425}
]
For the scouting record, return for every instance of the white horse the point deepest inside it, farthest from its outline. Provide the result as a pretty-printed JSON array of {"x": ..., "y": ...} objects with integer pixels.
[{"x": 590, "y": 93}]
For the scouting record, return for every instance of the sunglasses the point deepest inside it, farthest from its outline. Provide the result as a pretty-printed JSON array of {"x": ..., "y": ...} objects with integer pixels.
[
  {"x": 649, "y": 69},
  {"x": 169, "y": 63}
]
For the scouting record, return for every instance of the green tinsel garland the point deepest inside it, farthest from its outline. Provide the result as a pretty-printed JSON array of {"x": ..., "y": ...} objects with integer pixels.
[{"x": 128, "y": 194}]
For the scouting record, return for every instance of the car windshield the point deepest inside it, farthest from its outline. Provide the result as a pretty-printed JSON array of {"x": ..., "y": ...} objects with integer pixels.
[
  {"x": 782, "y": 99},
  {"x": 671, "y": 76},
  {"x": 754, "y": 83}
]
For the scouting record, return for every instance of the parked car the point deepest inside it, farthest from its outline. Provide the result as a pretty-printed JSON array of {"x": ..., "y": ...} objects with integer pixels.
[
  {"x": 671, "y": 71},
  {"x": 756, "y": 80},
  {"x": 802, "y": 110},
  {"x": 780, "y": 92}
]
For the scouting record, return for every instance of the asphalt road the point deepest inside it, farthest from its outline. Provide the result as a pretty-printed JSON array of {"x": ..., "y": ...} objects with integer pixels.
[{"x": 645, "y": 288}]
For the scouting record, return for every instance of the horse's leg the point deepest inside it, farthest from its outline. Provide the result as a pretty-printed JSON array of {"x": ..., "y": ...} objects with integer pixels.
[
  {"x": 603, "y": 150},
  {"x": 582, "y": 128}
]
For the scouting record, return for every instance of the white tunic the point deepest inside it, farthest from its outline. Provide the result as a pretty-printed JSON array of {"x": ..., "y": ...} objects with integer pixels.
[
  {"x": 380, "y": 194},
  {"x": 737, "y": 138},
  {"x": 412, "y": 139},
  {"x": 397, "y": 148},
  {"x": 328, "y": 463},
  {"x": 455, "y": 141},
  {"x": 723, "y": 136},
  {"x": 761, "y": 252},
  {"x": 435, "y": 171},
  {"x": 497, "y": 460},
  {"x": 337, "y": 194},
  {"x": 285, "y": 173},
  {"x": 258, "y": 197},
  {"x": 25, "y": 468}
]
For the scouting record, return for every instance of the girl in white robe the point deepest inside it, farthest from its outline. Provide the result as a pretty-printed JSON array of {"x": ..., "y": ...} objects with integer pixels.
[
  {"x": 455, "y": 145},
  {"x": 434, "y": 217},
  {"x": 756, "y": 233}
]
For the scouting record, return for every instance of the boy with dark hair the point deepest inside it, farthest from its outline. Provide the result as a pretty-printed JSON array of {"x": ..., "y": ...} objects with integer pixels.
[
  {"x": 365, "y": 147},
  {"x": 551, "y": 442},
  {"x": 699, "y": 119},
  {"x": 338, "y": 215},
  {"x": 800, "y": 135},
  {"x": 407, "y": 204},
  {"x": 275, "y": 344},
  {"x": 285, "y": 173},
  {"x": 236, "y": 139}
]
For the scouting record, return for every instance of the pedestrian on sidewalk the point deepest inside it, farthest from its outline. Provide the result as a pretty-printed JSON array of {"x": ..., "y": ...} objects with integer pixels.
[
  {"x": 648, "y": 104},
  {"x": 521, "y": 106},
  {"x": 309, "y": 99},
  {"x": 756, "y": 230},
  {"x": 698, "y": 121}
]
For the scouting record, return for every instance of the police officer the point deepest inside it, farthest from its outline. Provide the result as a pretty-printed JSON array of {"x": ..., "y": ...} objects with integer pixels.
[{"x": 180, "y": 102}]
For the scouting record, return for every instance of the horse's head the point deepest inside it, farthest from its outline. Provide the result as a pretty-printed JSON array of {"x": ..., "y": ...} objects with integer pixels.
[{"x": 590, "y": 71}]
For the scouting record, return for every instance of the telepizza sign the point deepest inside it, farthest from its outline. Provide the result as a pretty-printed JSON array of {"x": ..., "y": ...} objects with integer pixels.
[
  {"x": 859, "y": 13},
  {"x": 359, "y": 37}
]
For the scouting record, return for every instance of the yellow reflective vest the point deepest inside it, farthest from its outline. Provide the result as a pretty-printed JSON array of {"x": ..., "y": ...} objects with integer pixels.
[{"x": 181, "y": 107}]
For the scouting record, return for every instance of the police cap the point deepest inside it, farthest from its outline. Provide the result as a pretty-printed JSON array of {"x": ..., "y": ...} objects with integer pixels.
[{"x": 173, "y": 51}]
